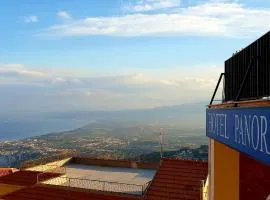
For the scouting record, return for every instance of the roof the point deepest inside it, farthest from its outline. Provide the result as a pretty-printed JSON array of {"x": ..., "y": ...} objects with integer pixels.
[
  {"x": 175, "y": 180},
  {"x": 178, "y": 179},
  {"x": 25, "y": 178},
  {"x": 242, "y": 104},
  {"x": 51, "y": 193},
  {"x": 5, "y": 171}
]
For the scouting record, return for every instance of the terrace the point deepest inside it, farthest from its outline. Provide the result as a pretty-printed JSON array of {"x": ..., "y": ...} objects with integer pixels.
[{"x": 102, "y": 175}]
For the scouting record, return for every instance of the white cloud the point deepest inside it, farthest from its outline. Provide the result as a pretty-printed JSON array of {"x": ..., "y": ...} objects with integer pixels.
[
  {"x": 118, "y": 91},
  {"x": 151, "y": 5},
  {"x": 64, "y": 15},
  {"x": 65, "y": 80},
  {"x": 18, "y": 70},
  {"x": 58, "y": 80},
  {"x": 12, "y": 65},
  {"x": 208, "y": 19},
  {"x": 14, "y": 73},
  {"x": 31, "y": 19},
  {"x": 88, "y": 94},
  {"x": 76, "y": 81},
  {"x": 137, "y": 78}
]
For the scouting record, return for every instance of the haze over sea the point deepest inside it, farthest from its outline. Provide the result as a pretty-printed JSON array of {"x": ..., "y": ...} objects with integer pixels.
[{"x": 185, "y": 116}]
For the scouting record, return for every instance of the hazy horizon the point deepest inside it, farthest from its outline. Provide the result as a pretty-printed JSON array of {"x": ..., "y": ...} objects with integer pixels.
[
  {"x": 58, "y": 56},
  {"x": 185, "y": 116}
]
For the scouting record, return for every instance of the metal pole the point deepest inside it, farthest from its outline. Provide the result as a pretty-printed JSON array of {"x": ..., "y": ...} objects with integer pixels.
[
  {"x": 244, "y": 80},
  {"x": 217, "y": 86},
  {"x": 161, "y": 142}
]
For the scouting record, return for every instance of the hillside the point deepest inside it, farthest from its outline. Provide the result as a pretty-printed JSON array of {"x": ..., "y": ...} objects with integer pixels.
[{"x": 115, "y": 134}]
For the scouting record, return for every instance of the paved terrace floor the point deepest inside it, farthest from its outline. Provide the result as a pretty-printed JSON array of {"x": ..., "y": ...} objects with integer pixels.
[
  {"x": 113, "y": 179},
  {"x": 111, "y": 174}
]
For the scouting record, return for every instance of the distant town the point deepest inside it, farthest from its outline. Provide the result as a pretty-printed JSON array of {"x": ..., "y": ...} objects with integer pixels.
[{"x": 139, "y": 142}]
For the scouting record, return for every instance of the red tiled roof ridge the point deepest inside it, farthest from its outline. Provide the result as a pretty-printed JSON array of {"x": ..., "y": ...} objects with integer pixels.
[
  {"x": 114, "y": 160},
  {"x": 50, "y": 193},
  {"x": 5, "y": 171},
  {"x": 185, "y": 159}
]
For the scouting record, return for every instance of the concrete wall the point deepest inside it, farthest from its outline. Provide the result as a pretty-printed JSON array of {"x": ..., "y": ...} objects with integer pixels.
[
  {"x": 224, "y": 172},
  {"x": 49, "y": 166},
  {"x": 114, "y": 163}
]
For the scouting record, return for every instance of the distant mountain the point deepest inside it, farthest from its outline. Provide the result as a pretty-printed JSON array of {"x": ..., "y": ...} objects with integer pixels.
[{"x": 190, "y": 115}]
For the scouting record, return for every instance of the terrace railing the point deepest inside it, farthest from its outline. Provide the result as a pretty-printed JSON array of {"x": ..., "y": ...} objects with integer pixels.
[{"x": 99, "y": 185}]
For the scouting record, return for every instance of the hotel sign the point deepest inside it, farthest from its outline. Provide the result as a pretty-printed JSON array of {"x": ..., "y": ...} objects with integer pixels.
[{"x": 244, "y": 129}]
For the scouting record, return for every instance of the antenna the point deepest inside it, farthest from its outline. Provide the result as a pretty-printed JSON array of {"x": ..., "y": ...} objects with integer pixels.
[{"x": 161, "y": 141}]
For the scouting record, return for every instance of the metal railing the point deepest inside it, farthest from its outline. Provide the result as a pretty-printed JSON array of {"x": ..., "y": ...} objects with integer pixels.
[
  {"x": 99, "y": 185},
  {"x": 216, "y": 89}
]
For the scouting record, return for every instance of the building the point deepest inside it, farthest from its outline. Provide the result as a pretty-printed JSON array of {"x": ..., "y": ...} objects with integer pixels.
[
  {"x": 5, "y": 171},
  {"x": 239, "y": 127},
  {"x": 85, "y": 178}
]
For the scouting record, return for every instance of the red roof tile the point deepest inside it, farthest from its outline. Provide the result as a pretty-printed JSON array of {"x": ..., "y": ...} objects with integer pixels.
[
  {"x": 178, "y": 179},
  {"x": 51, "y": 193},
  {"x": 25, "y": 178},
  {"x": 5, "y": 171}
]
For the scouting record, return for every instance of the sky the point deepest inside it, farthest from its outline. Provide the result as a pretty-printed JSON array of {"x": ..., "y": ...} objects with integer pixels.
[{"x": 67, "y": 55}]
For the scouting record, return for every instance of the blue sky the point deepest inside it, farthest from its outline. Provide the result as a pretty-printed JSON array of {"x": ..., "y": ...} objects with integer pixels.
[{"x": 118, "y": 54}]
